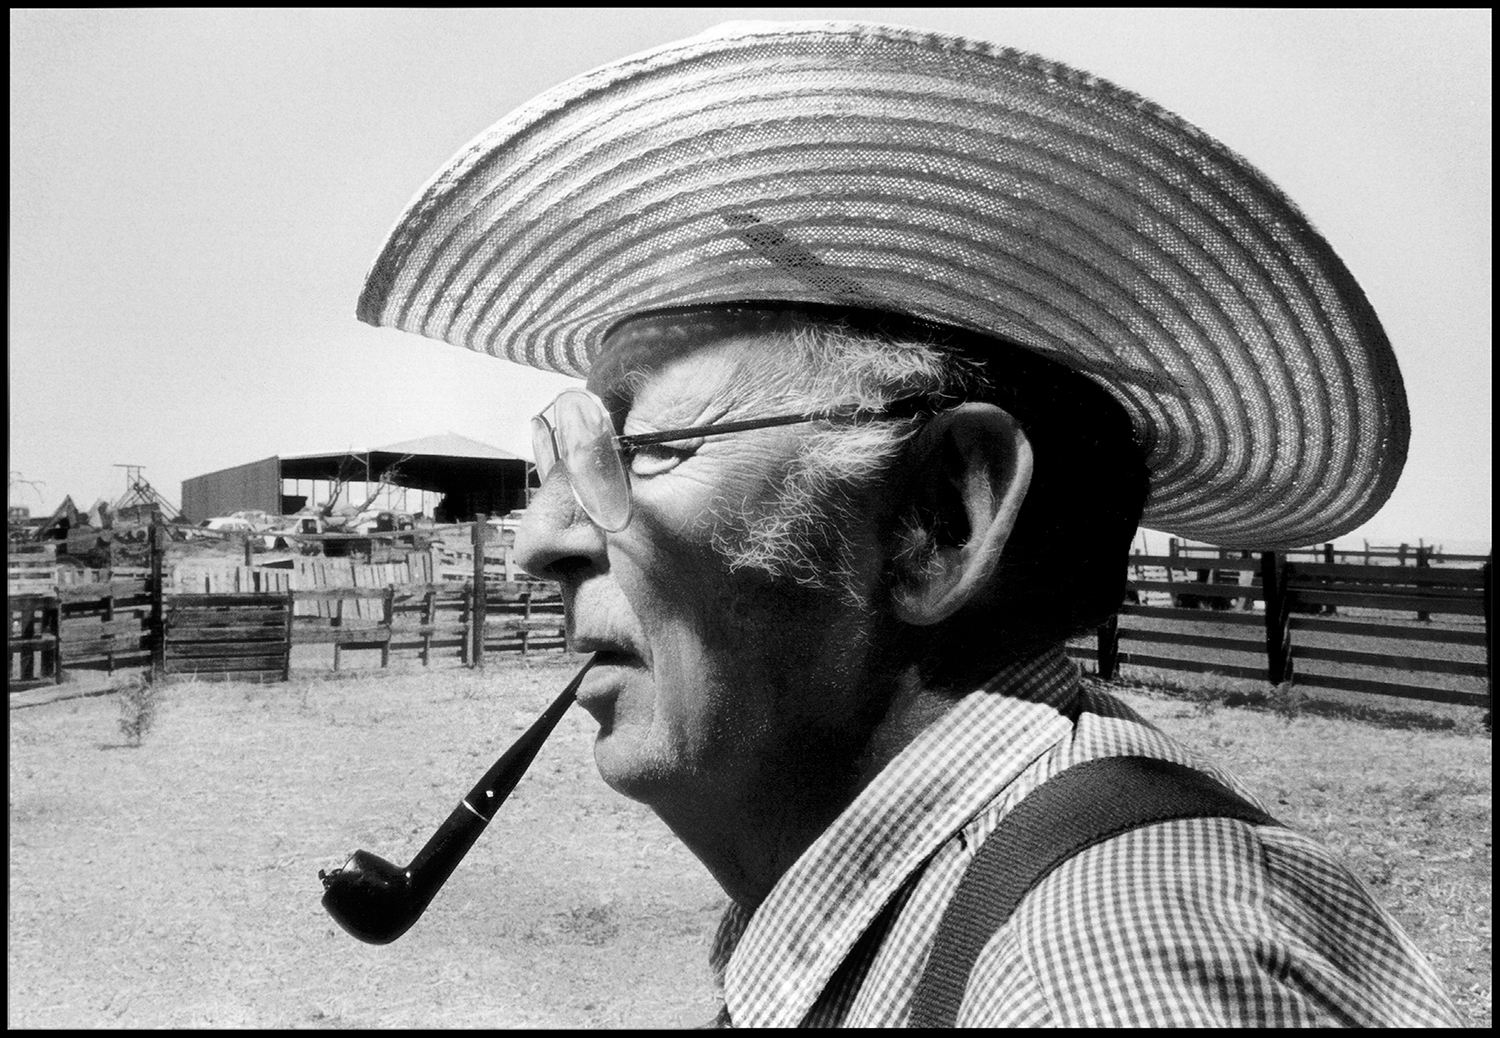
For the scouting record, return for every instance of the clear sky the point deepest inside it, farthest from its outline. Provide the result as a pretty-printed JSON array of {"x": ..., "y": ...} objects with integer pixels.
[{"x": 195, "y": 197}]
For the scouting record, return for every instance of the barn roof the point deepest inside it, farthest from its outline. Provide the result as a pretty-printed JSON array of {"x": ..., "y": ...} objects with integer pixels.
[
  {"x": 427, "y": 463},
  {"x": 449, "y": 445}
]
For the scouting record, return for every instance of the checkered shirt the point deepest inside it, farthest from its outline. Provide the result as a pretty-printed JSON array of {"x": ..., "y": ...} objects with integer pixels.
[{"x": 1197, "y": 922}]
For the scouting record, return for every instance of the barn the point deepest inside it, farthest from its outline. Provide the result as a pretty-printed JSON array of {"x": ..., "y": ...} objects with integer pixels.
[{"x": 447, "y": 477}]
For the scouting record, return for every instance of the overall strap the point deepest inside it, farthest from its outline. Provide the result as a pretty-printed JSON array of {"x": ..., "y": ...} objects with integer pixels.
[{"x": 1084, "y": 805}]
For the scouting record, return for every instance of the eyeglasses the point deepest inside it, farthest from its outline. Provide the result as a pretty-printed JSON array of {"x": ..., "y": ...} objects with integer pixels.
[{"x": 582, "y": 436}]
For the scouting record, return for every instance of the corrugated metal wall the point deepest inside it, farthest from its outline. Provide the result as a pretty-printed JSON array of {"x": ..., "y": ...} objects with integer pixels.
[{"x": 256, "y": 485}]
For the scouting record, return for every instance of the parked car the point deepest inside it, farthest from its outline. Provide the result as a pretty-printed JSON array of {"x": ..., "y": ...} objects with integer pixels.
[{"x": 229, "y": 524}]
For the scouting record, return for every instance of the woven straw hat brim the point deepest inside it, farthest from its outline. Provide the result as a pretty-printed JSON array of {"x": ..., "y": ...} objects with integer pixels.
[{"x": 949, "y": 180}]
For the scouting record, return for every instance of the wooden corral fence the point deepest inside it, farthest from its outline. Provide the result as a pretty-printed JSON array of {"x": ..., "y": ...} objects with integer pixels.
[
  {"x": 239, "y": 637},
  {"x": 31, "y": 638},
  {"x": 218, "y": 619},
  {"x": 30, "y": 569},
  {"x": 1318, "y": 624},
  {"x": 434, "y": 618},
  {"x": 88, "y": 626}
]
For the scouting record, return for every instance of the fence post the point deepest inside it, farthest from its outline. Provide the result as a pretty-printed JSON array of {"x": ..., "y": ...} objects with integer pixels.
[
  {"x": 1489, "y": 639},
  {"x": 291, "y": 619},
  {"x": 1424, "y": 553},
  {"x": 390, "y": 624},
  {"x": 526, "y": 621},
  {"x": 429, "y": 620},
  {"x": 481, "y": 598},
  {"x": 1275, "y": 574},
  {"x": 109, "y": 616},
  {"x": 467, "y": 617},
  {"x": 1108, "y": 634},
  {"x": 337, "y": 621},
  {"x": 52, "y": 624},
  {"x": 158, "y": 633}
]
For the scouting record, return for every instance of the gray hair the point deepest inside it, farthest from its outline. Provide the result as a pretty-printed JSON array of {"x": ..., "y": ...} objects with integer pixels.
[{"x": 816, "y": 366}]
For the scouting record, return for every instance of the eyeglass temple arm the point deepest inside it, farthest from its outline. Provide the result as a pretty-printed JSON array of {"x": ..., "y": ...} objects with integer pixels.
[
  {"x": 692, "y": 432},
  {"x": 896, "y": 409}
]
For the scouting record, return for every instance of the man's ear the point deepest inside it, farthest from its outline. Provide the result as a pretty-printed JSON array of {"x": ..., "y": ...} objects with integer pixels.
[{"x": 972, "y": 467}]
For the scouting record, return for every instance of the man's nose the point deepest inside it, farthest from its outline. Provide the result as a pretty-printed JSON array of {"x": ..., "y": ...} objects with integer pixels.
[{"x": 556, "y": 537}]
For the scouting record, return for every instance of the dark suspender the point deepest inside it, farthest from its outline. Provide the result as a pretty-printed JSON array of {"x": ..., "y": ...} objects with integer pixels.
[{"x": 1086, "y": 804}]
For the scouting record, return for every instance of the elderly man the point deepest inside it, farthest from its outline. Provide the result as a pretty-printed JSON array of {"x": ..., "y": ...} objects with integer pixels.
[{"x": 891, "y": 340}]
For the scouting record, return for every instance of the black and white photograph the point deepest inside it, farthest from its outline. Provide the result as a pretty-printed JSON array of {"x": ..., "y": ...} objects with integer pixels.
[{"x": 749, "y": 517}]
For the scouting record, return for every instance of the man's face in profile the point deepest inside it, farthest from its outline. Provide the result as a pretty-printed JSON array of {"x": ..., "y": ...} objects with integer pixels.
[{"x": 715, "y": 680}]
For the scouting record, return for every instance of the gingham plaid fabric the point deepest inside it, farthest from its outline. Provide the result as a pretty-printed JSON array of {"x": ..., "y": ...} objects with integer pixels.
[{"x": 1196, "y": 922}]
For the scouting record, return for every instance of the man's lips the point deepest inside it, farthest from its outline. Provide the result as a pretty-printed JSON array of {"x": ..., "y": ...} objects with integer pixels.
[
  {"x": 605, "y": 681},
  {"x": 606, "y": 650},
  {"x": 614, "y": 658}
]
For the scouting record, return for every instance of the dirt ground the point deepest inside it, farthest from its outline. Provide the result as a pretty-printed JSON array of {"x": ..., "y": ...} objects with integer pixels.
[{"x": 175, "y": 884}]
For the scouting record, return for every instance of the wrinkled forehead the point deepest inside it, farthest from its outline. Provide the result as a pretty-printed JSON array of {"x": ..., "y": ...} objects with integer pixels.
[{"x": 642, "y": 344}]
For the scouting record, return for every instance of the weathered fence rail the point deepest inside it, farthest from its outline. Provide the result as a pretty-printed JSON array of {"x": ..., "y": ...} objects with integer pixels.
[
  {"x": 421, "y": 619},
  {"x": 30, "y": 569},
  {"x": 88, "y": 626},
  {"x": 241, "y": 637},
  {"x": 1314, "y": 624}
]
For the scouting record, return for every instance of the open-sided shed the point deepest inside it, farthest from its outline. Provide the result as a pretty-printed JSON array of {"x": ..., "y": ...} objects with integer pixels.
[{"x": 469, "y": 477}]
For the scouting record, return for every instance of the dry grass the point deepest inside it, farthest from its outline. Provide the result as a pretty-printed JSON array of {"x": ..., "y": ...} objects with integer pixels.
[{"x": 175, "y": 884}]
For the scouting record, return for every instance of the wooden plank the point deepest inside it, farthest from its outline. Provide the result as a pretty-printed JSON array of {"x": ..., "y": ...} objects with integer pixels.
[
  {"x": 1200, "y": 641},
  {"x": 1387, "y": 688},
  {"x": 450, "y": 642},
  {"x": 220, "y": 623},
  {"x": 214, "y": 650},
  {"x": 1375, "y": 629},
  {"x": 535, "y": 623},
  {"x": 339, "y": 635},
  {"x": 77, "y": 650},
  {"x": 237, "y": 632},
  {"x": 1199, "y": 616},
  {"x": 333, "y": 594},
  {"x": 515, "y": 645},
  {"x": 88, "y": 627},
  {"x": 119, "y": 658},
  {"x": 112, "y": 589},
  {"x": 1186, "y": 587},
  {"x": 453, "y": 630},
  {"x": 273, "y": 606},
  {"x": 1183, "y": 562},
  {"x": 30, "y": 565},
  {"x": 1403, "y": 603},
  {"x": 1430, "y": 575},
  {"x": 1390, "y": 662},
  {"x": 219, "y": 600},
  {"x": 40, "y": 641},
  {"x": 1136, "y": 659}
]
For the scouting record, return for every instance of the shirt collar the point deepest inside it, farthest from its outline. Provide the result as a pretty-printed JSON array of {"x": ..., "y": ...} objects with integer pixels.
[{"x": 795, "y": 940}]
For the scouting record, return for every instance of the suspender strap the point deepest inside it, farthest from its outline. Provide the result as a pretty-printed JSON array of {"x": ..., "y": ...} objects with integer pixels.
[{"x": 1086, "y": 804}]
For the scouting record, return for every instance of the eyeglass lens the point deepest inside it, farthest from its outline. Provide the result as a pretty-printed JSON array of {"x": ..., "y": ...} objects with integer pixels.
[{"x": 585, "y": 438}]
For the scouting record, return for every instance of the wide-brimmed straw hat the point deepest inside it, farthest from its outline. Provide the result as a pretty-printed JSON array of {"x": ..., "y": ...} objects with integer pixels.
[{"x": 944, "y": 179}]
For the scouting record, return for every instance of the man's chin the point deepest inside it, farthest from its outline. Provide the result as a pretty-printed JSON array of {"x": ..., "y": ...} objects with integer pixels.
[{"x": 624, "y": 766}]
